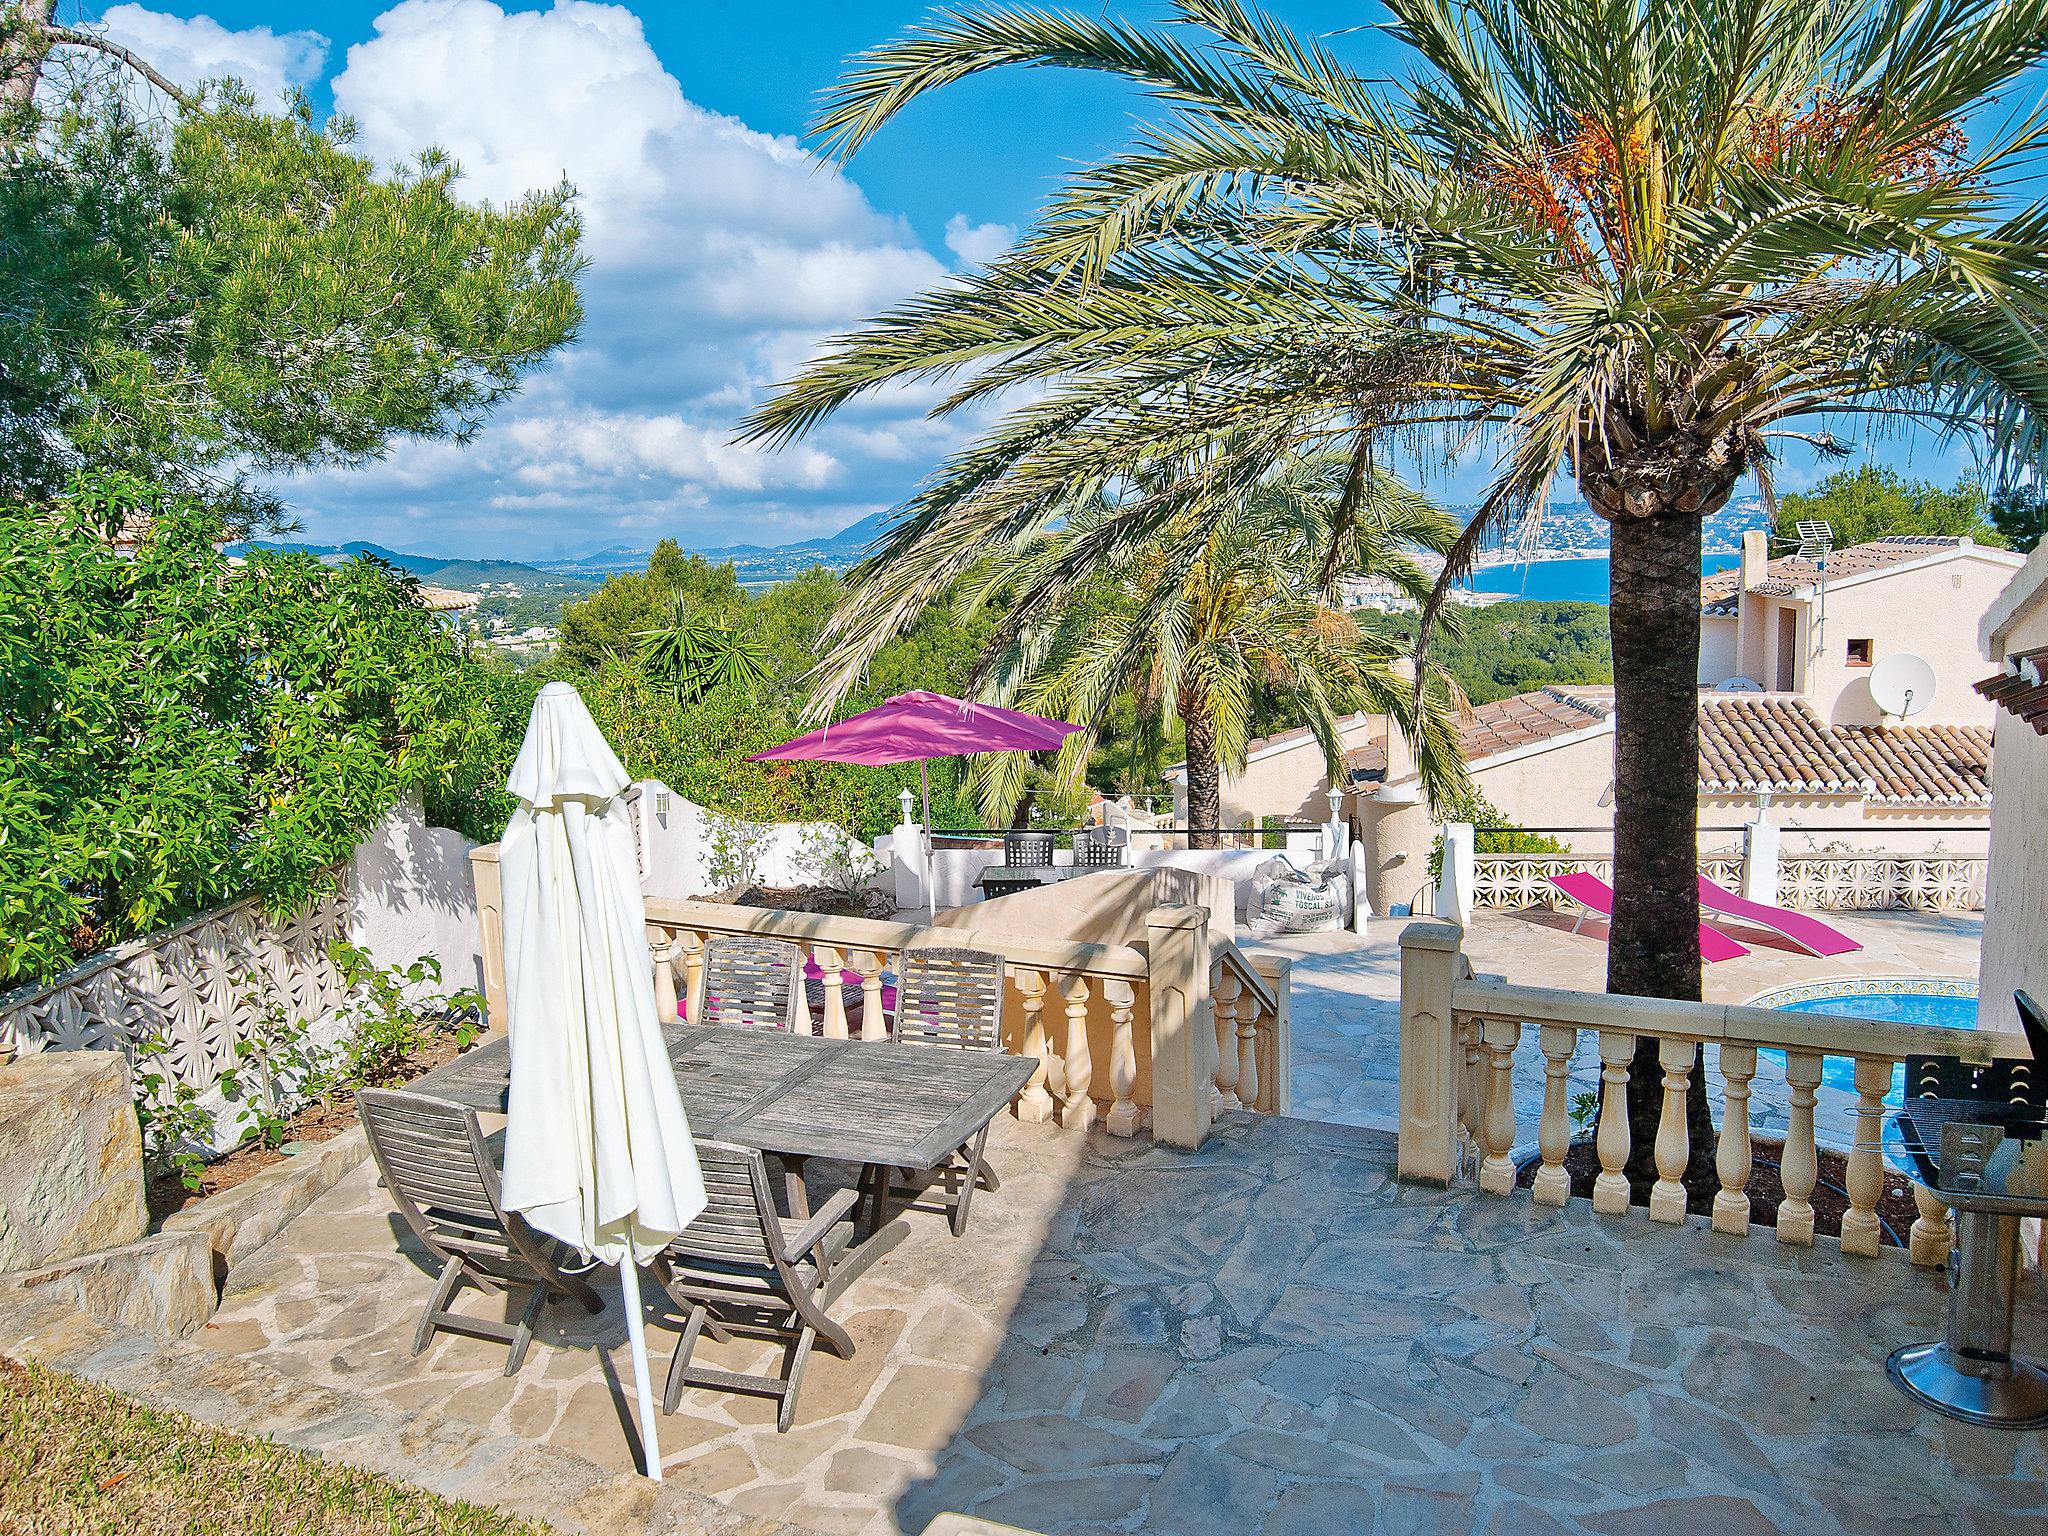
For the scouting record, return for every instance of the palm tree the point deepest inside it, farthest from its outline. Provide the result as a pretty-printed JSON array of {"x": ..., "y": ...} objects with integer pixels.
[
  {"x": 694, "y": 654},
  {"x": 1631, "y": 243},
  {"x": 1224, "y": 606}
]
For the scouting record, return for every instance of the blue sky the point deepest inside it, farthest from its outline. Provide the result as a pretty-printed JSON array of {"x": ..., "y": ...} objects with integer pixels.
[{"x": 721, "y": 251}]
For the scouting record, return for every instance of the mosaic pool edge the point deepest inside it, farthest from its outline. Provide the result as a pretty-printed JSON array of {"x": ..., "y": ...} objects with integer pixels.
[{"x": 1846, "y": 986}]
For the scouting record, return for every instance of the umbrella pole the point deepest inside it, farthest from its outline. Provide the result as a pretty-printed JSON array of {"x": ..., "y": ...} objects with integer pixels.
[
  {"x": 931, "y": 874},
  {"x": 629, "y": 1283}
]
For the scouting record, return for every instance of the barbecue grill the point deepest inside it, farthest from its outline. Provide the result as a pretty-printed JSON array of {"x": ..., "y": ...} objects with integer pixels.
[{"x": 1973, "y": 1135}]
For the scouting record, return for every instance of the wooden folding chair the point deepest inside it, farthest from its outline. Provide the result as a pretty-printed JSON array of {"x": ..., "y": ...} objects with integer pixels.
[
  {"x": 739, "y": 1268},
  {"x": 951, "y": 998},
  {"x": 752, "y": 981},
  {"x": 435, "y": 1163}
]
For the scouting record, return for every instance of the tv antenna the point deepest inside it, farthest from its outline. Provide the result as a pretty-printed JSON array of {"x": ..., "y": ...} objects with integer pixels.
[{"x": 1816, "y": 543}]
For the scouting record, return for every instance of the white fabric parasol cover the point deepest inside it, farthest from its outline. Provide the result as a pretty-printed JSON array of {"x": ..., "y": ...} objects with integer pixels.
[{"x": 597, "y": 1149}]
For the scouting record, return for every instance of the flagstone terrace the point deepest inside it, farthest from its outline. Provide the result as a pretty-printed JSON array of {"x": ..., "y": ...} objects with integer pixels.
[
  {"x": 1268, "y": 1337},
  {"x": 1260, "y": 1331}
]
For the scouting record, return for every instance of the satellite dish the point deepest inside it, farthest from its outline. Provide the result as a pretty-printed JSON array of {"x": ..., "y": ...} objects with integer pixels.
[
  {"x": 1902, "y": 685},
  {"x": 1740, "y": 684}
]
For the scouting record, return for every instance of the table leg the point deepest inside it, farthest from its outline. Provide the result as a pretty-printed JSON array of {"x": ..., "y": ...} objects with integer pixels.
[
  {"x": 877, "y": 1177},
  {"x": 793, "y": 1189}
]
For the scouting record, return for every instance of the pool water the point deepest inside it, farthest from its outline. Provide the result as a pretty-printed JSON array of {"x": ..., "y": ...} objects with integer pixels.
[{"x": 1948, "y": 1008}]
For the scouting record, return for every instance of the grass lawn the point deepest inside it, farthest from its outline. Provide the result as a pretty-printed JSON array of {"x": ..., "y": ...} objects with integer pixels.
[{"x": 77, "y": 1460}]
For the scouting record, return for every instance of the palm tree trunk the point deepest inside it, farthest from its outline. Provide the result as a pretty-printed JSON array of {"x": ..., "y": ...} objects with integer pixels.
[
  {"x": 1653, "y": 949},
  {"x": 1205, "y": 786}
]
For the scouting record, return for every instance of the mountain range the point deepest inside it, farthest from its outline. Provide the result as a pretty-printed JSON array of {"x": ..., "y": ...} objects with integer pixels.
[{"x": 756, "y": 564}]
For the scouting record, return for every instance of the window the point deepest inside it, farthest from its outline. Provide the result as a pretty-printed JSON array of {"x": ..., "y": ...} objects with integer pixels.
[{"x": 1859, "y": 653}]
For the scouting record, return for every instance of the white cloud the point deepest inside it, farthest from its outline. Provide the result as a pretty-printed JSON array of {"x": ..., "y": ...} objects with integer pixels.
[
  {"x": 196, "y": 49},
  {"x": 720, "y": 255},
  {"x": 978, "y": 244}
]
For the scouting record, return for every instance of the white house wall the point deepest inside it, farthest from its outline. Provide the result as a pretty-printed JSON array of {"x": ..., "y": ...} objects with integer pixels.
[
  {"x": 1930, "y": 611},
  {"x": 2015, "y": 950}
]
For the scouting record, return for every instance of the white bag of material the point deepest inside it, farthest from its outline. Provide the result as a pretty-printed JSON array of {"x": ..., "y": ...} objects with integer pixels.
[{"x": 1290, "y": 900}]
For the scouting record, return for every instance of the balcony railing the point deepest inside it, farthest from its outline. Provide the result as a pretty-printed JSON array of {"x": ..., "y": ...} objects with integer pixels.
[
  {"x": 1158, "y": 1036},
  {"x": 1459, "y": 1035}
]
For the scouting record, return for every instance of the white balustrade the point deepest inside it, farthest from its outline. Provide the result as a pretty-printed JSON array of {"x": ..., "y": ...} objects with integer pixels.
[
  {"x": 1674, "y": 1140},
  {"x": 1474, "y": 1039},
  {"x": 1861, "y": 1232},
  {"x": 1733, "y": 1152},
  {"x": 1224, "y": 990},
  {"x": 1124, "y": 1118},
  {"x": 1554, "y": 1129},
  {"x": 1498, "y": 1039},
  {"x": 1611, "y": 1141},
  {"x": 1077, "y": 1110}
]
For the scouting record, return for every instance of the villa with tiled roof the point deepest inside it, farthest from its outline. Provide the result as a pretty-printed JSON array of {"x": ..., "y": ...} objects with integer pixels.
[{"x": 1787, "y": 719}]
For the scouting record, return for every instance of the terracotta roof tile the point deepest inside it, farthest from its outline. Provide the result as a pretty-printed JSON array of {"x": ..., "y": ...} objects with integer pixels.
[
  {"x": 2022, "y": 688},
  {"x": 1503, "y": 724},
  {"x": 1786, "y": 574},
  {"x": 1750, "y": 742}
]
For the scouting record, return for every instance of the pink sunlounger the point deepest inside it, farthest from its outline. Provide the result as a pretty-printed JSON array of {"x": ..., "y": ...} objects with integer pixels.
[
  {"x": 1596, "y": 895},
  {"x": 1809, "y": 933}
]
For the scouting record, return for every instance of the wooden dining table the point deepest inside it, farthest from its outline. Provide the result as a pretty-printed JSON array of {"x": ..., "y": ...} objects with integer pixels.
[{"x": 871, "y": 1103}]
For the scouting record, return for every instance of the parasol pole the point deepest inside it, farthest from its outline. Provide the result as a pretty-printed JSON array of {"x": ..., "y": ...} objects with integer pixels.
[
  {"x": 931, "y": 875},
  {"x": 629, "y": 1284}
]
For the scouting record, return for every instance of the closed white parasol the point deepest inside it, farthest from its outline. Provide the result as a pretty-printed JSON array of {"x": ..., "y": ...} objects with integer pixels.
[{"x": 597, "y": 1148}]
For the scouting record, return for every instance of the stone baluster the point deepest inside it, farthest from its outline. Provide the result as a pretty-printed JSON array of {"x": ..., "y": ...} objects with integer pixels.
[
  {"x": 1499, "y": 1037},
  {"x": 1610, "y": 1188},
  {"x": 874, "y": 1023},
  {"x": 1249, "y": 1013},
  {"x": 1077, "y": 1109},
  {"x": 1861, "y": 1232},
  {"x": 802, "y": 1021},
  {"x": 693, "y": 975},
  {"x": 1554, "y": 1128},
  {"x": 1732, "y": 1152},
  {"x": 1928, "y": 1242},
  {"x": 1471, "y": 1091},
  {"x": 1802, "y": 1163},
  {"x": 1124, "y": 1118},
  {"x": 1674, "y": 1143},
  {"x": 665, "y": 951},
  {"x": 830, "y": 967},
  {"x": 1224, "y": 988},
  {"x": 1034, "y": 1103}
]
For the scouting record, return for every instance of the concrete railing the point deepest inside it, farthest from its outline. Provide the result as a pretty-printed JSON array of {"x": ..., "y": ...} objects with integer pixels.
[
  {"x": 1459, "y": 1034},
  {"x": 1131, "y": 1035},
  {"x": 1253, "y": 1008},
  {"x": 186, "y": 997}
]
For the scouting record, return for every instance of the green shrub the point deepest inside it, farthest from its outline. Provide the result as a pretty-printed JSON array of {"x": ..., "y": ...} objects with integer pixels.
[{"x": 183, "y": 730}]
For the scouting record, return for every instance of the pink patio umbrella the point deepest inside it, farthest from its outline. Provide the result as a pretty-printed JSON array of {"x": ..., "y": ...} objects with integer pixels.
[{"x": 915, "y": 728}]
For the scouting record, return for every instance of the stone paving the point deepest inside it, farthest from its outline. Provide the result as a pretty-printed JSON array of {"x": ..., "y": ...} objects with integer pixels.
[
  {"x": 1347, "y": 992},
  {"x": 1268, "y": 1338}
]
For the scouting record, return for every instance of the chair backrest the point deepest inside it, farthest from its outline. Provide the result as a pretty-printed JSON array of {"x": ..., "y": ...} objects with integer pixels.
[
  {"x": 752, "y": 981},
  {"x": 1099, "y": 850},
  {"x": 738, "y": 1224},
  {"x": 435, "y": 1164},
  {"x": 1027, "y": 850},
  {"x": 950, "y": 997}
]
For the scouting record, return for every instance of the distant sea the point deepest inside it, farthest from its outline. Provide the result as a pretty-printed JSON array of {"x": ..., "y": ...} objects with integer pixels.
[{"x": 1565, "y": 581}]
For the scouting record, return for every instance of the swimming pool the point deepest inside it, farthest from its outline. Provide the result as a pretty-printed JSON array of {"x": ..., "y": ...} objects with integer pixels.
[{"x": 1950, "y": 1002}]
